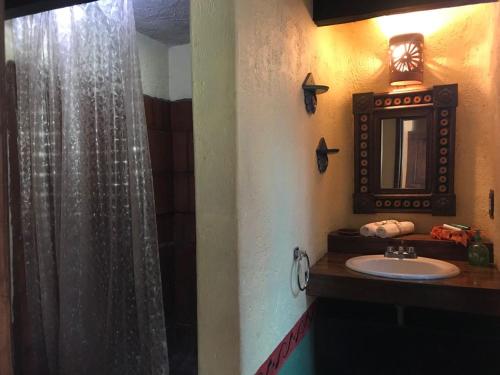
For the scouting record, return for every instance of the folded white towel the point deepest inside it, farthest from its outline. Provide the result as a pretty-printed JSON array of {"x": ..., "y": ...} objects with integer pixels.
[
  {"x": 370, "y": 229},
  {"x": 395, "y": 229}
]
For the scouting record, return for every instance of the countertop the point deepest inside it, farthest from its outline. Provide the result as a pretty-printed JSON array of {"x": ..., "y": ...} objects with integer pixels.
[{"x": 474, "y": 290}]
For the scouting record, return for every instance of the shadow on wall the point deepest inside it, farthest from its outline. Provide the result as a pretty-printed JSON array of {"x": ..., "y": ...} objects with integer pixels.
[{"x": 308, "y": 4}]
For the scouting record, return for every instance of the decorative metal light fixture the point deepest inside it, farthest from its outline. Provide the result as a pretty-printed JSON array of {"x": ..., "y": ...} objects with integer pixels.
[{"x": 406, "y": 59}]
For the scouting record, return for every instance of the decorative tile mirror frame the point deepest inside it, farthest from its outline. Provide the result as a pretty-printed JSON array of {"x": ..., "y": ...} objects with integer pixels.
[{"x": 437, "y": 107}]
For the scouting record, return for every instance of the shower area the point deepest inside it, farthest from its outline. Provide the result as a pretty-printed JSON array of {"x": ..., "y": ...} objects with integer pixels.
[{"x": 101, "y": 215}]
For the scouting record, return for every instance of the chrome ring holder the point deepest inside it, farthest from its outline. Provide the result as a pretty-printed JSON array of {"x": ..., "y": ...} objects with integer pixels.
[{"x": 298, "y": 256}]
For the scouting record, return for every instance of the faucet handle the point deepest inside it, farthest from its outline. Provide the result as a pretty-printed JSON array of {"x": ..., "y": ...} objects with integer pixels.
[
  {"x": 390, "y": 251},
  {"x": 411, "y": 252}
]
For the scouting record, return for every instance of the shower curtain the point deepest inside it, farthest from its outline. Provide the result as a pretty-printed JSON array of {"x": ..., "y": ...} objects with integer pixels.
[{"x": 87, "y": 206}]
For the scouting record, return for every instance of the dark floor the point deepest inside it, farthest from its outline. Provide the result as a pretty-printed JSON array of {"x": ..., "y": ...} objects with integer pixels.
[{"x": 354, "y": 338}]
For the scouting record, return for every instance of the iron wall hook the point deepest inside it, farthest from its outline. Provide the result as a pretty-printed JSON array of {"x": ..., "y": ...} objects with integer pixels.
[
  {"x": 310, "y": 91},
  {"x": 322, "y": 152}
]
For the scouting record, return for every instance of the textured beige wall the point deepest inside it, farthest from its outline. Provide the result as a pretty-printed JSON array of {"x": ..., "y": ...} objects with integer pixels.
[
  {"x": 283, "y": 201},
  {"x": 495, "y": 152},
  {"x": 212, "y": 37},
  {"x": 258, "y": 190},
  {"x": 458, "y": 46}
]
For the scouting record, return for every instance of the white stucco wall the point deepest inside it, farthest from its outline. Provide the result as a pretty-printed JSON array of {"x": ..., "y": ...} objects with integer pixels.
[
  {"x": 166, "y": 71},
  {"x": 180, "y": 77},
  {"x": 153, "y": 57},
  {"x": 9, "y": 48}
]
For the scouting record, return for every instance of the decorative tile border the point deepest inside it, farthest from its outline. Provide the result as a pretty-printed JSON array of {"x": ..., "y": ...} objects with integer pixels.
[
  {"x": 279, "y": 356},
  {"x": 420, "y": 203},
  {"x": 443, "y": 168},
  {"x": 364, "y": 143},
  {"x": 402, "y": 99}
]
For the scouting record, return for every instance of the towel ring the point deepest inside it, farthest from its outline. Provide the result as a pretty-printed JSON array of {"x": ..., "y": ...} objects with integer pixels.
[{"x": 298, "y": 255}]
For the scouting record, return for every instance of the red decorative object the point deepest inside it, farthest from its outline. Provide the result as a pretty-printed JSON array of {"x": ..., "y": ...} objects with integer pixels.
[
  {"x": 279, "y": 356},
  {"x": 461, "y": 237}
]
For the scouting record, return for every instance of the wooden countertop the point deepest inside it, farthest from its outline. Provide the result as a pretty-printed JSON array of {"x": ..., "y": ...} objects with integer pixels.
[{"x": 475, "y": 290}]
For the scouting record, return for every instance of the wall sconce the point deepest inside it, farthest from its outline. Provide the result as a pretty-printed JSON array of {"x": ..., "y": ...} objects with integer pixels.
[{"x": 406, "y": 59}]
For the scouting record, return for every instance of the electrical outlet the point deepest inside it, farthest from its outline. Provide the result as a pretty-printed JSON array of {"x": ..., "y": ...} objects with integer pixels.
[{"x": 492, "y": 204}]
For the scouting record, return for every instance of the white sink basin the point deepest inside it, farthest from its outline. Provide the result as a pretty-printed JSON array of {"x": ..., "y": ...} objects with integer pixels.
[{"x": 408, "y": 269}]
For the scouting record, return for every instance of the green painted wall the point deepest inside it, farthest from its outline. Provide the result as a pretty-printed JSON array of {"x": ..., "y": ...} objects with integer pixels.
[{"x": 301, "y": 361}]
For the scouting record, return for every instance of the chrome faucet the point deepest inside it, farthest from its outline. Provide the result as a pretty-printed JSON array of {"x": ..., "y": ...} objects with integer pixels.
[{"x": 401, "y": 253}]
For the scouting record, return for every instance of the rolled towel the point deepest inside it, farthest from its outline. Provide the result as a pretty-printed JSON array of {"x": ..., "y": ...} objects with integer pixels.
[
  {"x": 370, "y": 229},
  {"x": 395, "y": 229}
]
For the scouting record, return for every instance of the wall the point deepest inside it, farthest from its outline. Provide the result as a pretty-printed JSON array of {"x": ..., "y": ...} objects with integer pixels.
[
  {"x": 9, "y": 48},
  {"x": 153, "y": 57},
  {"x": 166, "y": 71},
  {"x": 283, "y": 201},
  {"x": 495, "y": 67},
  {"x": 260, "y": 149},
  {"x": 458, "y": 44},
  {"x": 214, "y": 126},
  {"x": 179, "y": 77}
]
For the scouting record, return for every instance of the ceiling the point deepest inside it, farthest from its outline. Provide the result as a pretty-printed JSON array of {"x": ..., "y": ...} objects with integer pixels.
[{"x": 163, "y": 20}]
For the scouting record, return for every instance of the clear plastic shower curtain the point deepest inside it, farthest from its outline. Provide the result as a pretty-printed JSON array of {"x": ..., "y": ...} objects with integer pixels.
[{"x": 87, "y": 206}]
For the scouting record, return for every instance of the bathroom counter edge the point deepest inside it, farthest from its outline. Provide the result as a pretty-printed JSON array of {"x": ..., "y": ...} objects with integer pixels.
[{"x": 475, "y": 290}]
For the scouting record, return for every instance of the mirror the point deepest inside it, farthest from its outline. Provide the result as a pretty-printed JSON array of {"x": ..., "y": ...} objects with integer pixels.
[{"x": 403, "y": 153}]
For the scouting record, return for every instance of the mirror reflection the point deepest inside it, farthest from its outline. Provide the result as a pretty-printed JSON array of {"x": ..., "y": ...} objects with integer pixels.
[{"x": 403, "y": 148}]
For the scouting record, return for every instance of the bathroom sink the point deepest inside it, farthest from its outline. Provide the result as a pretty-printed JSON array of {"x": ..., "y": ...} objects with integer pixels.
[{"x": 408, "y": 269}]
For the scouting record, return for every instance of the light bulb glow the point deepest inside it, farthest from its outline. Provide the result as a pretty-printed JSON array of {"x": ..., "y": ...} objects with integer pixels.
[
  {"x": 406, "y": 56},
  {"x": 425, "y": 22},
  {"x": 398, "y": 51}
]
